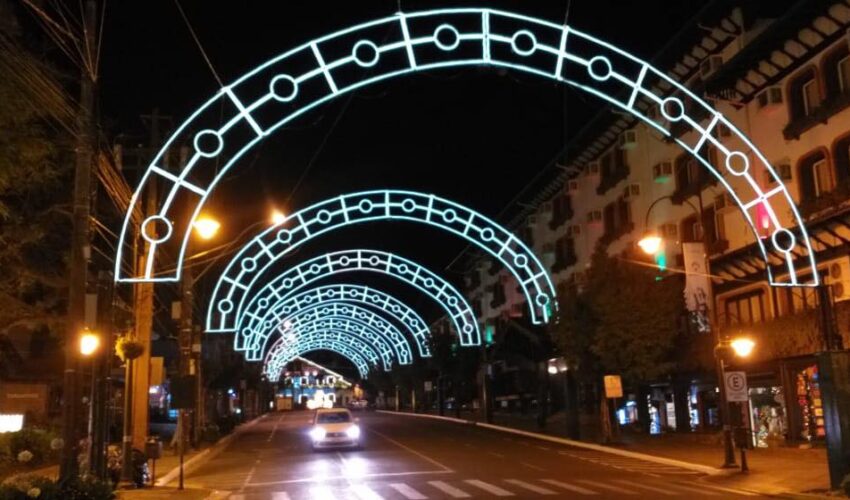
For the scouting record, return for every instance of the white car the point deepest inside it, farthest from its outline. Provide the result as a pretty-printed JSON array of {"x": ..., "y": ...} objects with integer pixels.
[{"x": 334, "y": 428}]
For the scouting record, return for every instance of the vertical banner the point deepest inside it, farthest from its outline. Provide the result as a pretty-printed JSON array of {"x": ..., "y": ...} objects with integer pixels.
[{"x": 696, "y": 284}]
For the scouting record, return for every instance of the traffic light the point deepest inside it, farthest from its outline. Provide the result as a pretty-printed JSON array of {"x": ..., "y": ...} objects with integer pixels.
[{"x": 489, "y": 333}]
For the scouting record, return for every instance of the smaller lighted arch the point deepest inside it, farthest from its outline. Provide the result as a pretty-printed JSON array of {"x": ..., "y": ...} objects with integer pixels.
[
  {"x": 336, "y": 337},
  {"x": 222, "y": 315},
  {"x": 282, "y": 353},
  {"x": 350, "y": 317},
  {"x": 246, "y": 270},
  {"x": 386, "y": 304}
]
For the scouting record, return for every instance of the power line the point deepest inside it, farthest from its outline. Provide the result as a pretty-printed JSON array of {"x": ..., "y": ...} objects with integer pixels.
[{"x": 198, "y": 43}]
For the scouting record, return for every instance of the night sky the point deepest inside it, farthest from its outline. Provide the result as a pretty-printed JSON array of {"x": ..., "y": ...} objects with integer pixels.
[{"x": 475, "y": 135}]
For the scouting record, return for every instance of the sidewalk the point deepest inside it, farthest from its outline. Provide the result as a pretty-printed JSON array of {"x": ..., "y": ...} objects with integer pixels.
[{"x": 773, "y": 471}]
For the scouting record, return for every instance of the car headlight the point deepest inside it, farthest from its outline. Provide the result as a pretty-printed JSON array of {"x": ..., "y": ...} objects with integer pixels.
[
  {"x": 317, "y": 433},
  {"x": 353, "y": 432}
]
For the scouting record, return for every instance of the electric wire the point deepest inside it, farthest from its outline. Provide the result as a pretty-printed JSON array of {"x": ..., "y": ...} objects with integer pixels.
[{"x": 198, "y": 43}]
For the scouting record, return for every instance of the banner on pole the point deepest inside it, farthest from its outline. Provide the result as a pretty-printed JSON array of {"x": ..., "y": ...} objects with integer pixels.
[{"x": 697, "y": 284}]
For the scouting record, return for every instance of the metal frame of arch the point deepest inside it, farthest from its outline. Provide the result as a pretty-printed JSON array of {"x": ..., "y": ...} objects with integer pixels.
[
  {"x": 281, "y": 353},
  {"x": 386, "y": 337},
  {"x": 388, "y": 305},
  {"x": 346, "y": 330},
  {"x": 292, "y": 83},
  {"x": 332, "y": 264},
  {"x": 247, "y": 267}
]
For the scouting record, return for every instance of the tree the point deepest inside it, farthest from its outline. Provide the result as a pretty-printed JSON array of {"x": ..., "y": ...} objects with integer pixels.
[
  {"x": 33, "y": 188},
  {"x": 625, "y": 321}
]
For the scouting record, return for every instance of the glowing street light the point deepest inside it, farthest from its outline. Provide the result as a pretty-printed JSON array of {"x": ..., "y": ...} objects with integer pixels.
[
  {"x": 743, "y": 346},
  {"x": 278, "y": 217},
  {"x": 650, "y": 243},
  {"x": 89, "y": 343},
  {"x": 206, "y": 227}
]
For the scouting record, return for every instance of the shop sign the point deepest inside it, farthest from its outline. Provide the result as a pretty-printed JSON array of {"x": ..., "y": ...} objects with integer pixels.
[
  {"x": 736, "y": 386},
  {"x": 613, "y": 386}
]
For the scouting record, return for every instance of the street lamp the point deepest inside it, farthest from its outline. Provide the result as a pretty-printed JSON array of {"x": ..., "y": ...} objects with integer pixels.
[
  {"x": 650, "y": 244},
  {"x": 206, "y": 227},
  {"x": 742, "y": 346},
  {"x": 89, "y": 343},
  {"x": 278, "y": 217}
]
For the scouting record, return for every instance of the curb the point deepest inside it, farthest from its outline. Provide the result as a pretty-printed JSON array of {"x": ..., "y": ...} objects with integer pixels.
[
  {"x": 705, "y": 469},
  {"x": 205, "y": 455}
]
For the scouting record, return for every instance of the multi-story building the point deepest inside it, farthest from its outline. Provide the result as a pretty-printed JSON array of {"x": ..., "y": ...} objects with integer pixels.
[{"x": 781, "y": 74}]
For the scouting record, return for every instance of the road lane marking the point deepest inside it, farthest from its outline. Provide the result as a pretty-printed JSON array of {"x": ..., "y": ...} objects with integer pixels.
[
  {"x": 489, "y": 488},
  {"x": 321, "y": 493},
  {"x": 569, "y": 487},
  {"x": 604, "y": 486},
  {"x": 274, "y": 429},
  {"x": 530, "y": 466},
  {"x": 530, "y": 487},
  {"x": 636, "y": 484},
  {"x": 497, "y": 455},
  {"x": 407, "y": 492},
  {"x": 729, "y": 490},
  {"x": 411, "y": 450},
  {"x": 542, "y": 448},
  {"x": 449, "y": 489},
  {"x": 364, "y": 492},
  {"x": 362, "y": 476},
  {"x": 280, "y": 495},
  {"x": 693, "y": 489}
]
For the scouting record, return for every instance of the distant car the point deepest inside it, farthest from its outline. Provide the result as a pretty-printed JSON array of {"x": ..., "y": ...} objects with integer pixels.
[
  {"x": 334, "y": 428},
  {"x": 358, "y": 404}
]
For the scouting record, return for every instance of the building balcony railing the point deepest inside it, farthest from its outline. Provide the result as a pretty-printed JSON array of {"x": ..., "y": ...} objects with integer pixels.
[
  {"x": 611, "y": 179},
  {"x": 682, "y": 193},
  {"x": 558, "y": 219},
  {"x": 826, "y": 202},
  {"x": 614, "y": 234},
  {"x": 829, "y": 107},
  {"x": 562, "y": 263},
  {"x": 718, "y": 246}
]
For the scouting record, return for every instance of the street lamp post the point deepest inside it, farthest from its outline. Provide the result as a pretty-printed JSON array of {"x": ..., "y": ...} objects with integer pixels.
[
  {"x": 650, "y": 244},
  {"x": 89, "y": 346}
]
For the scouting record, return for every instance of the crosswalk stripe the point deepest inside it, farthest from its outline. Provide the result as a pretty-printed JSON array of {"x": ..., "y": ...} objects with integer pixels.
[
  {"x": 280, "y": 495},
  {"x": 635, "y": 484},
  {"x": 569, "y": 487},
  {"x": 604, "y": 486},
  {"x": 695, "y": 490},
  {"x": 407, "y": 491},
  {"x": 449, "y": 489},
  {"x": 530, "y": 487},
  {"x": 489, "y": 488},
  {"x": 365, "y": 493}
]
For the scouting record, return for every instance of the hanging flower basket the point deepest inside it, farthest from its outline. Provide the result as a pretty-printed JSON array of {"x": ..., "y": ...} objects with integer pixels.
[{"x": 128, "y": 347}]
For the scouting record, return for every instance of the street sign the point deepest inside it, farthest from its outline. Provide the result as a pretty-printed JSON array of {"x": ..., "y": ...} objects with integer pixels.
[
  {"x": 613, "y": 386},
  {"x": 428, "y": 386},
  {"x": 736, "y": 386},
  {"x": 183, "y": 392}
]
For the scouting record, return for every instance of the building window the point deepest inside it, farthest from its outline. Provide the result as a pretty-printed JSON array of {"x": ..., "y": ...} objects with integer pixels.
[
  {"x": 745, "y": 309},
  {"x": 841, "y": 159},
  {"x": 609, "y": 218},
  {"x": 691, "y": 230},
  {"x": 795, "y": 300},
  {"x": 836, "y": 71},
  {"x": 804, "y": 95},
  {"x": 815, "y": 174}
]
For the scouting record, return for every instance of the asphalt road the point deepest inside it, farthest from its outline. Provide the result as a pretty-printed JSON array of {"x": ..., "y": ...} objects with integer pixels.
[{"x": 414, "y": 458}]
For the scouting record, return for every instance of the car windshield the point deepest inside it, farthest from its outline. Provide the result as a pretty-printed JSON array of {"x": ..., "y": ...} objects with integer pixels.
[{"x": 336, "y": 417}]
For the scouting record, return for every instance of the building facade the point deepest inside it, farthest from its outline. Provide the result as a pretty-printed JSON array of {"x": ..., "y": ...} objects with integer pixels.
[{"x": 780, "y": 74}]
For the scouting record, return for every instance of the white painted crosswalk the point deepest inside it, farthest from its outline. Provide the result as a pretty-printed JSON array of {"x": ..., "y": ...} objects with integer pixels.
[{"x": 504, "y": 487}]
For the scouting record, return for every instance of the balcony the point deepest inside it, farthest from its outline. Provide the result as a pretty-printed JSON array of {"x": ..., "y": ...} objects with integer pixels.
[
  {"x": 825, "y": 203},
  {"x": 692, "y": 189},
  {"x": 564, "y": 262},
  {"x": 609, "y": 180},
  {"x": 614, "y": 234},
  {"x": 820, "y": 115}
]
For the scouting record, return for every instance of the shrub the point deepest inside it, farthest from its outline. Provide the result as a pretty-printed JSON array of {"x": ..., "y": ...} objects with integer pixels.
[
  {"x": 34, "y": 441},
  {"x": 29, "y": 487}
]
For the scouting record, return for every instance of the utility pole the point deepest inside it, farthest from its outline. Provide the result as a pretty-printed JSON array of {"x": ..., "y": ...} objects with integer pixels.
[
  {"x": 80, "y": 252},
  {"x": 100, "y": 373}
]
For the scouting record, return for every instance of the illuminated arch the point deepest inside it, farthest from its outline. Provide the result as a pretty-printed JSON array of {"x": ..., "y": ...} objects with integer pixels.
[
  {"x": 292, "y": 83},
  {"x": 347, "y": 336},
  {"x": 281, "y": 353},
  {"x": 367, "y": 325},
  {"x": 345, "y": 294},
  {"x": 246, "y": 268},
  {"x": 224, "y": 319}
]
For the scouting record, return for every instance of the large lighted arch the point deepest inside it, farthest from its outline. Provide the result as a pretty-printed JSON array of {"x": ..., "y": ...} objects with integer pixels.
[
  {"x": 371, "y": 327},
  {"x": 282, "y": 352},
  {"x": 343, "y": 293},
  {"x": 292, "y": 83},
  {"x": 325, "y": 266},
  {"x": 246, "y": 268}
]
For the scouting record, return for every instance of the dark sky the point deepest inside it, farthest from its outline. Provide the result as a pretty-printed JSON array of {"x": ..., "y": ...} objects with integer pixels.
[{"x": 475, "y": 135}]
